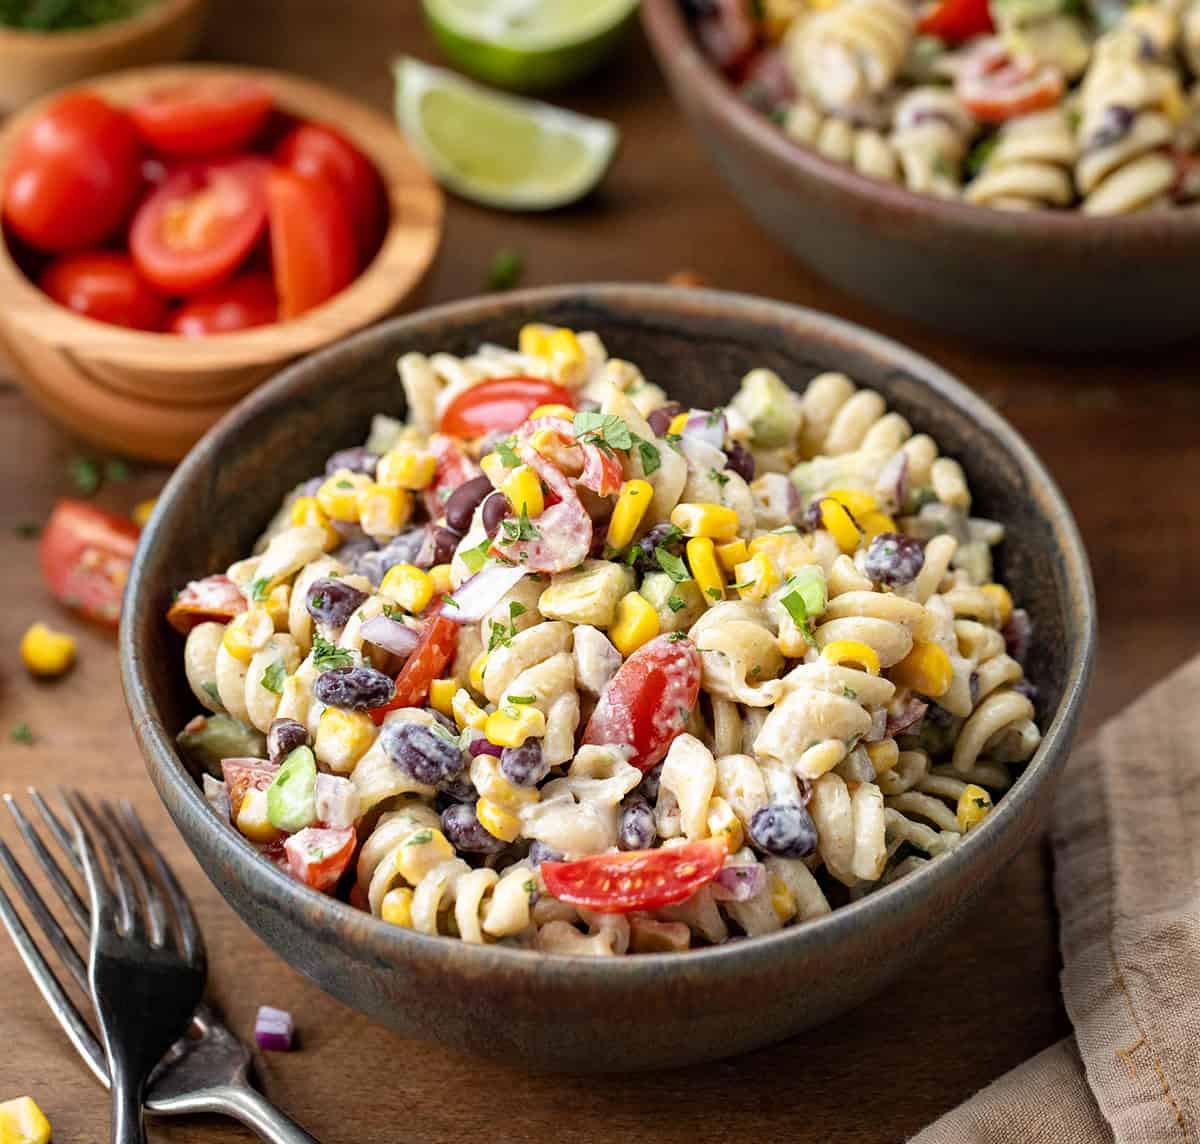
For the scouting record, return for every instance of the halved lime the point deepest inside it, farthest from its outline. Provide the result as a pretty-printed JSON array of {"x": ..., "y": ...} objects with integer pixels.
[
  {"x": 527, "y": 45},
  {"x": 500, "y": 150}
]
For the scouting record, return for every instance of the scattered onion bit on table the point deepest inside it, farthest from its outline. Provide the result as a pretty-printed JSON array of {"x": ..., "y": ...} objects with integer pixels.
[{"x": 273, "y": 1029}]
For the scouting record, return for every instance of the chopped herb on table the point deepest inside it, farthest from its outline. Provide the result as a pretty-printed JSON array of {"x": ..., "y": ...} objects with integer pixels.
[
  {"x": 505, "y": 270},
  {"x": 60, "y": 15},
  {"x": 22, "y": 733},
  {"x": 27, "y": 530},
  {"x": 85, "y": 474}
]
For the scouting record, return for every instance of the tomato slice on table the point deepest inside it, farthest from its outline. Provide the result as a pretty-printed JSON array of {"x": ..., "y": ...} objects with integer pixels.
[
  {"x": 312, "y": 242},
  {"x": 203, "y": 116},
  {"x": 200, "y": 225},
  {"x": 73, "y": 174},
  {"x": 994, "y": 86},
  {"x": 318, "y": 857},
  {"x": 648, "y": 702},
  {"x": 435, "y": 649},
  {"x": 107, "y": 287},
  {"x": 214, "y": 598},
  {"x": 956, "y": 20},
  {"x": 319, "y": 152},
  {"x": 637, "y": 879},
  {"x": 239, "y": 304},
  {"x": 85, "y": 555},
  {"x": 500, "y": 405}
]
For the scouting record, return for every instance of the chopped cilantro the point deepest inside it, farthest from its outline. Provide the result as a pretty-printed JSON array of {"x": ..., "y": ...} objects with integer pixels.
[
  {"x": 849, "y": 693},
  {"x": 420, "y": 838},
  {"x": 675, "y": 603},
  {"x": 327, "y": 656},
  {"x": 443, "y": 732},
  {"x": 712, "y": 418},
  {"x": 22, "y": 733},
  {"x": 605, "y": 430},
  {"x": 116, "y": 470},
  {"x": 520, "y": 529},
  {"x": 651, "y": 458},
  {"x": 523, "y": 700},
  {"x": 501, "y": 635},
  {"x": 715, "y": 593},
  {"x": 393, "y": 611},
  {"x": 743, "y": 584},
  {"x": 261, "y": 587},
  {"x": 273, "y": 677},
  {"x": 675, "y": 637},
  {"x": 804, "y": 597},
  {"x": 450, "y": 601},
  {"x": 530, "y": 887},
  {"x": 982, "y": 803},
  {"x": 345, "y": 484},
  {"x": 85, "y": 474},
  {"x": 672, "y": 565},
  {"x": 508, "y": 454},
  {"x": 28, "y": 530},
  {"x": 716, "y": 475},
  {"x": 505, "y": 269}
]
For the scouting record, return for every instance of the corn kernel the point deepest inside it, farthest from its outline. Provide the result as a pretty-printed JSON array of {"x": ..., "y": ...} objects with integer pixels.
[
  {"x": 974, "y": 805},
  {"x": 783, "y": 901},
  {"x": 343, "y": 738},
  {"x": 22, "y": 1122},
  {"x": 756, "y": 578},
  {"x": 702, "y": 560},
  {"x": 532, "y": 339},
  {"x": 306, "y": 510},
  {"x": 396, "y": 907},
  {"x": 142, "y": 511},
  {"x": 408, "y": 586},
  {"x": 724, "y": 824},
  {"x": 524, "y": 491},
  {"x": 475, "y": 672},
  {"x": 837, "y": 520},
  {"x": 46, "y": 652},
  {"x": 852, "y": 652},
  {"x": 439, "y": 575},
  {"x": 441, "y": 695},
  {"x": 338, "y": 496},
  {"x": 874, "y": 523},
  {"x": 495, "y": 469},
  {"x": 732, "y": 554},
  {"x": 1002, "y": 600},
  {"x": 497, "y": 821},
  {"x": 466, "y": 712},
  {"x": 857, "y": 501},
  {"x": 884, "y": 755},
  {"x": 253, "y": 821},
  {"x": 627, "y": 515},
  {"x": 636, "y": 623},
  {"x": 248, "y": 633},
  {"x": 678, "y": 423},
  {"x": 383, "y": 510},
  {"x": 563, "y": 411},
  {"x": 406, "y": 468},
  {"x": 491, "y": 784},
  {"x": 277, "y": 604},
  {"x": 420, "y": 852},
  {"x": 565, "y": 353},
  {"x": 926, "y": 669},
  {"x": 711, "y": 520},
  {"x": 512, "y": 725}
]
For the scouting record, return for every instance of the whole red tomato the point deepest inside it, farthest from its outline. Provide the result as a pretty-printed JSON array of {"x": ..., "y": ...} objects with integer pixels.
[
  {"x": 106, "y": 286},
  {"x": 239, "y": 304}
]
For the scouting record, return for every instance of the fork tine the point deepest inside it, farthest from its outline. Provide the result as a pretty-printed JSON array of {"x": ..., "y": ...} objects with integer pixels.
[
  {"x": 155, "y": 911},
  {"x": 52, "y": 992},
  {"x": 191, "y": 939},
  {"x": 62, "y": 884},
  {"x": 61, "y": 834},
  {"x": 98, "y": 891}
]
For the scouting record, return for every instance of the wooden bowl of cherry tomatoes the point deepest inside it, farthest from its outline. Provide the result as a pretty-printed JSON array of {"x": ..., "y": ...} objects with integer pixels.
[{"x": 172, "y": 236}]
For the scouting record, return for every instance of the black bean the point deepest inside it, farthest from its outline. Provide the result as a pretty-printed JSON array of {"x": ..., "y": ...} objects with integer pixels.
[
  {"x": 333, "y": 602},
  {"x": 357, "y": 460},
  {"x": 464, "y": 501},
  {"x": 738, "y": 458},
  {"x": 427, "y": 755},
  {"x": 445, "y": 541},
  {"x": 1018, "y": 635},
  {"x": 893, "y": 558},
  {"x": 649, "y": 784},
  {"x": 354, "y": 688},
  {"x": 283, "y": 737},
  {"x": 460, "y": 789},
  {"x": 660, "y": 419},
  {"x": 352, "y": 551},
  {"x": 539, "y": 852},
  {"x": 495, "y": 509},
  {"x": 785, "y": 829},
  {"x": 464, "y": 831},
  {"x": 402, "y": 549},
  {"x": 810, "y": 518},
  {"x": 524, "y": 765},
  {"x": 636, "y": 830}
]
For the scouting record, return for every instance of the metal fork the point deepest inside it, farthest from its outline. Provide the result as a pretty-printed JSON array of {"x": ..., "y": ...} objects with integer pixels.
[{"x": 207, "y": 1071}]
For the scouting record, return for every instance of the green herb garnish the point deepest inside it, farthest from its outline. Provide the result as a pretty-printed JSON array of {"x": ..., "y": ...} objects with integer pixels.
[
  {"x": 328, "y": 656},
  {"x": 22, "y": 733},
  {"x": 274, "y": 676},
  {"x": 85, "y": 474},
  {"x": 672, "y": 565},
  {"x": 520, "y": 529},
  {"x": 261, "y": 588},
  {"x": 651, "y": 458},
  {"x": 605, "y": 430},
  {"x": 475, "y": 558},
  {"x": 505, "y": 270},
  {"x": 508, "y": 454},
  {"x": 675, "y": 603},
  {"x": 116, "y": 470},
  {"x": 27, "y": 530},
  {"x": 523, "y": 700},
  {"x": 420, "y": 838},
  {"x": 721, "y": 478}
]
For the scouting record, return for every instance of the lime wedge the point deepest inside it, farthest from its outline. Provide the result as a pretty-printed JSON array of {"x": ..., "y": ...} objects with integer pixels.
[
  {"x": 527, "y": 45},
  {"x": 500, "y": 150}
]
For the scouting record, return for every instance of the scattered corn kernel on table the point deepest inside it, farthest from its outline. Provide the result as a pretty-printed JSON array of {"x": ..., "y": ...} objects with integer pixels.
[{"x": 991, "y": 999}]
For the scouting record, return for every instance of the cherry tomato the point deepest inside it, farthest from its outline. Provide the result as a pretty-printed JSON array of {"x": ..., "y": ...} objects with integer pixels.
[
  {"x": 434, "y": 650},
  {"x": 105, "y": 286},
  {"x": 213, "y": 598},
  {"x": 85, "y": 554},
  {"x": 312, "y": 241},
  {"x": 244, "y": 775},
  {"x": 648, "y": 702},
  {"x": 73, "y": 174},
  {"x": 203, "y": 116},
  {"x": 956, "y": 20},
  {"x": 636, "y": 880},
  {"x": 319, "y": 152},
  {"x": 239, "y": 304},
  {"x": 995, "y": 87},
  {"x": 318, "y": 857},
  {"x": 727, "y": 32},
  {"x": 500, "y": 405},
  {"x": 200, "y": 225}
]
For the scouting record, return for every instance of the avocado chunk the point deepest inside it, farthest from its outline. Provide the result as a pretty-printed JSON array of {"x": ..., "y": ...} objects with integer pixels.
[
  {"x": 208, "y": 739},
  {"x": 772, "y": 409},
  {"x": 588, "y": 594},
  {"x": 678, "y": 605}
]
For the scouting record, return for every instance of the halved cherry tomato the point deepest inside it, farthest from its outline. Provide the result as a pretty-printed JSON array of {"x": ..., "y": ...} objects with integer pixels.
[
  {"x": 244, "y": 775},
  {"x": 203, "y": 116},
  {"x": 995, "y": 87},
  {"x": 105, "y": 286},
  {"x": 85, "y": 555},
  {"x": 318, "y": 857},
  {"x": 200, "y": 225},
  {"x": 73, "y": 174},
  {"x": 649, "y": 701},
  {"x": 956, "y": 20},
  {"x": 312, "y": 242},
  {"x": 435, "y": 649},
  {"x": 214, "y": 598},
  {"x": 727, "y": 32},
  {"x": 239, "y": 304},
  {"x": 636, "y": 880},
  {"x": 500, "y": 405},
  {"x": 319, "y": 152}
]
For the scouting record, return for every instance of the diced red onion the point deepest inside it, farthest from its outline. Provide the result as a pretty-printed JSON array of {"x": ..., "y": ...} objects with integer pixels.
[
  {"x": 273, "y": 1029},
  {"x": 878, "y": 726},
  {"x": 739, "y": 883},
  {"x": 892, "y": 482},
  {"x": 391, "y": 635},
  {"x": 701, "y": 456},
  {"x": 906, "y": 721},
  {"x": 1018, "y": 635},
  {"x": 338, "y": 804},
  {"x": 707, "y": 427},
  {"x": 216, "y": 796},
  {"x": 483, "y": 591},
  {"x": 482, "y": 746}
]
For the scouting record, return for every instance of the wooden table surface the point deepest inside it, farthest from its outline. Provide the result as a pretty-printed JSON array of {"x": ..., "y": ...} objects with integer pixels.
[{"x": 1119, "y": 436}]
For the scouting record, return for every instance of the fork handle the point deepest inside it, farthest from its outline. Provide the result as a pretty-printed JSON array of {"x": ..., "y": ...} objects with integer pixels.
[
  {"x": 251, "y": 1108},
  {"x": 128, "y": 1124}
]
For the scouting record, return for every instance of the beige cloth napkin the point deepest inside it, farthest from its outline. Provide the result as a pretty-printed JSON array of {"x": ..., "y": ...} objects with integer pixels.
[{"x": 1126, "y": 837}]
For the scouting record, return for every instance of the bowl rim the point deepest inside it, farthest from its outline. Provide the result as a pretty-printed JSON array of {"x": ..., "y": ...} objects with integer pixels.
[
  {"x": 395, "y": 945},
  {"x": 416, "y": 209},
  {"x": 98, "y": 36},
  {"x": 671, "y": 38}
]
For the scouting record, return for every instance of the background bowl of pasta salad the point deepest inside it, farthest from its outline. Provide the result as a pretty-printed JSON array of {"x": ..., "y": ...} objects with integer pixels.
[
  {"x": 954, "y": 179},
  {"x": 417, "y": 958}
]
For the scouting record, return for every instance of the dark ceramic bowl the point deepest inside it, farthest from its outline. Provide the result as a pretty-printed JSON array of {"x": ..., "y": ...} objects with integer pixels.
[
  {"x": 562, "y": 1012},
  {"x": 1052, "y": 280}
]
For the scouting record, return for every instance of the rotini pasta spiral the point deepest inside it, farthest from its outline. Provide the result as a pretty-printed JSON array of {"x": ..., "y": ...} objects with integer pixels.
[
  {"x": 931, "y": 135},
  {"x": 864, "y": 148},
  {"x": 1029, "y": 166}
]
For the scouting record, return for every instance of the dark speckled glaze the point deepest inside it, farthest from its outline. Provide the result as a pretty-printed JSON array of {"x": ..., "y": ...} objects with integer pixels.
[
  {"x": 555, "y": 1012},
  {"x": 1056, "y": 280}
]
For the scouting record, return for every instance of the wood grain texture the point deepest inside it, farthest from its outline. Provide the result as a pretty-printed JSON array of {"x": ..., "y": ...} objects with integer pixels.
[{"x": 1119, "y": 436}]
